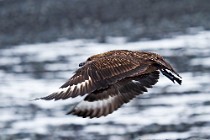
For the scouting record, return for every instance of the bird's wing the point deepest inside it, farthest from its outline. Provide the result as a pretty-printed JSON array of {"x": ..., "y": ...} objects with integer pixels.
[
  {"x": 105, "y": 101},
  {"x": 96, "y": 75}
]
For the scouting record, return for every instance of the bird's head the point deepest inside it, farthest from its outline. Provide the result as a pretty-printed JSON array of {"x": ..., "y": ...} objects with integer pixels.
[{"x": 94, "y": 57}]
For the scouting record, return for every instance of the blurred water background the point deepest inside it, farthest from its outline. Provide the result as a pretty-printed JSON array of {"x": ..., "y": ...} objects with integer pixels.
[{"x": 43, "y": 41}]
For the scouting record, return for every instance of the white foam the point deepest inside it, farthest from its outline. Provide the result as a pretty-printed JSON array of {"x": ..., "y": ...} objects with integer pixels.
[{"x": 166, "y": 135}]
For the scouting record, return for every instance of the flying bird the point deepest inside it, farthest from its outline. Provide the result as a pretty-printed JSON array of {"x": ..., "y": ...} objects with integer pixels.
[{"x": 110, "y": 79}]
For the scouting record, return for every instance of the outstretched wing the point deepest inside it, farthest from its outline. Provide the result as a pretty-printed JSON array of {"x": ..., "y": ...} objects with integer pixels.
[
  {"x": 105, "y": 101},
  {"x": 97, "y": 75}
]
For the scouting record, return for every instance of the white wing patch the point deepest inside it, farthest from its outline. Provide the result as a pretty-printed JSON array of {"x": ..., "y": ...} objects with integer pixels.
[
  {"x": 86, "y": 105},
  {"x": 72, "y": 87},
  {"x": 134, "y": 81}
]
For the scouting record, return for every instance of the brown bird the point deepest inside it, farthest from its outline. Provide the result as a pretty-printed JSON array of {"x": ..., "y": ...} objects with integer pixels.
[{"x": 111, "y": 79}]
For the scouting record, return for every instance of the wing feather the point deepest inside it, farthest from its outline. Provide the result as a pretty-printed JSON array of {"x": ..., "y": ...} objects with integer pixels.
[
  {"x": 105, "y": 101},
  {"x": 96, "y": 75}
]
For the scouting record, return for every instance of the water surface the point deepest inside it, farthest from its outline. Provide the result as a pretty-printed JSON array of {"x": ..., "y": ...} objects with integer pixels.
[{"x": 166, "y": 111}]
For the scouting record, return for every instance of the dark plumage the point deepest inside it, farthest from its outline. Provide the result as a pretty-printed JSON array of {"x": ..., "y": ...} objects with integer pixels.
[{"x": 111, "y": 79}]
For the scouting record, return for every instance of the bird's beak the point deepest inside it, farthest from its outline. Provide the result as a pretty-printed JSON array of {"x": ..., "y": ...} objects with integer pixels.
[{"x": 81, "y": 64}]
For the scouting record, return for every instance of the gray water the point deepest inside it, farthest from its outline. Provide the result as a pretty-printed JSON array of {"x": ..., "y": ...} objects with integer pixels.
[{"x": 166, "y": 111}]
